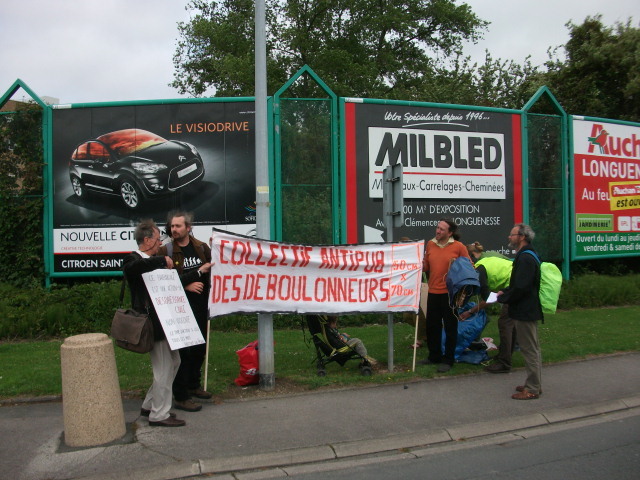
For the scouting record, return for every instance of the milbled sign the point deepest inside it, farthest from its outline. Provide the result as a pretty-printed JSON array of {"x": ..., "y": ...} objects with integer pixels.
[{"x": 439, "y": 164}]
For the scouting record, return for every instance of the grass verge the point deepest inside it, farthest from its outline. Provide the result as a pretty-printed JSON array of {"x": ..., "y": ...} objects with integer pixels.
[{"x": 32, "y": 368}]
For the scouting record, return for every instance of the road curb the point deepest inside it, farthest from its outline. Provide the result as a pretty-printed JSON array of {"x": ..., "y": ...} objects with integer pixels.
[
  {"x": 294, "y": 456},
  {"x": 267, "y": 465}
]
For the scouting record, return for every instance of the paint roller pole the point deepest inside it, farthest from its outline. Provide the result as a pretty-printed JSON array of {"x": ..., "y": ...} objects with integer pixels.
[
  {"x": 415, "y": 343},
  {"x": 206, "y": 357}
]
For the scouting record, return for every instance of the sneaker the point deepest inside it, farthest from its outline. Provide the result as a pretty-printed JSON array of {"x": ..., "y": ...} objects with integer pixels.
[
  {"x": 187, "y": 406},
  {"x": 444, "y": 368},
  {"x": 200, "y": 393}
]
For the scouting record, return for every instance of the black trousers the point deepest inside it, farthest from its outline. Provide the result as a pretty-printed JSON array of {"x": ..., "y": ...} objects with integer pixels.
[
  {"x": 189, "y": 373},
  {"x": 440, "y": 315}
]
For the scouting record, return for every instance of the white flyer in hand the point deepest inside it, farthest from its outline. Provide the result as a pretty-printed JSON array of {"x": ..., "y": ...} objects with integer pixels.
[
  {"x": 492, "y": 298},
  {"x": 173, "y": 309}
]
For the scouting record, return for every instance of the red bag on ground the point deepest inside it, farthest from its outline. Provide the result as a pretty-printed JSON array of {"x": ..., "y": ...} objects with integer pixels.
[{"x": 249, "y": 363}]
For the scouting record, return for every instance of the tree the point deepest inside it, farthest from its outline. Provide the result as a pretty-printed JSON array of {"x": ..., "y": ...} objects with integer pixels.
[
  {"x": 367, "y": 48},
  {"x": 495, "y": 83},
  {"x": 600, "y": 75}
]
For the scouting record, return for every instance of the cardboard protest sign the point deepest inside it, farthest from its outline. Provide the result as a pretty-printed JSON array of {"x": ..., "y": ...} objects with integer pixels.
[
  {"x": 253, "y": 275},
  {"x": 173, "y": 309}
]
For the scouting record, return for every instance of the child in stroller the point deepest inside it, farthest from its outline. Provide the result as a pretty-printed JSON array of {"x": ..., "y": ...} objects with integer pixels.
[{"x": 333, "y": 346}]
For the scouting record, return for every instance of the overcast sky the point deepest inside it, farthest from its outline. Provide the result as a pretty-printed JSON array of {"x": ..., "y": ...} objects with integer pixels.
[{"x": 114, "y": 50}]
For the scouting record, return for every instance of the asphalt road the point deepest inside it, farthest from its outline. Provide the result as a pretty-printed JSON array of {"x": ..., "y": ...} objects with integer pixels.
[{"x": 605, "y": 447}]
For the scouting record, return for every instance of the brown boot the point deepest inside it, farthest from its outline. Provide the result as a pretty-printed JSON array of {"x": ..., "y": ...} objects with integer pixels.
[
  {"x": 200, "y": 393},
  {"x": 187, "y": 406}
]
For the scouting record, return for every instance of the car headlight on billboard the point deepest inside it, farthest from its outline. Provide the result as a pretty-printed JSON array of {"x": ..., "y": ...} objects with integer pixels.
[{"x": 143, "y": 167}]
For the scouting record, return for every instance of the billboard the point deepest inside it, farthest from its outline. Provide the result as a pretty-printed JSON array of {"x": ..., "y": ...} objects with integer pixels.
[
  {"x": 457, "y": 163},
  {"x": 116, "y": 164},
  {"x": 606, "y": 188}
]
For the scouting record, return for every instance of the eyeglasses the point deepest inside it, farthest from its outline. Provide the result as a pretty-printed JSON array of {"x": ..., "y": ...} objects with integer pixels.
[{"x": 515, "y": 234}]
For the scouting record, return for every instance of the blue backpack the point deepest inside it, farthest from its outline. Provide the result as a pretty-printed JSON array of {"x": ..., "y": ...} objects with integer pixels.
[{"x": 462, "y": 281}]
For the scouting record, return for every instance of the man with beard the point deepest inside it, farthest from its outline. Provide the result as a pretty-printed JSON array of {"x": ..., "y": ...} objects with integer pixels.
[
  {"x": 523, "y": 298},
  {"x": 440, "y": 251},
  {"x": 192, "y": 259}
]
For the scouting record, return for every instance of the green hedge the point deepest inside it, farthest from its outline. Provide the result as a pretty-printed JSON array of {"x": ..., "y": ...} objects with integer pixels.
[
  {"x": 89, "y": 307},
  {"x": 61, "y": 311},
  {"x": 593, "y": 290}
]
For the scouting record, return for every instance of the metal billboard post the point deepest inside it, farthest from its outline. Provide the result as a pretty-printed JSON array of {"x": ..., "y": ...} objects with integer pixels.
[
  {"x": 393, "y": 210},
  {"x": 263, "y": 219}
]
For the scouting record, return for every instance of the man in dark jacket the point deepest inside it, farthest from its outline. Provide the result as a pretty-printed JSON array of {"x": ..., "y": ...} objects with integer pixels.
[
  {"x": 523, "y": 297},
  {"x": 164, "y": 361},
  {"x": 192, "y": 260}
]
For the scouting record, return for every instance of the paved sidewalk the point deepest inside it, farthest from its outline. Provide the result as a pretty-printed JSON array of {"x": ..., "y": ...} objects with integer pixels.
[{"x": 241, "y": 436}]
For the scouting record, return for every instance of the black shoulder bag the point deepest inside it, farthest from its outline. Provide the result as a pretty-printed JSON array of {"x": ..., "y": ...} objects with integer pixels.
[{"x": 130, "y": 329}]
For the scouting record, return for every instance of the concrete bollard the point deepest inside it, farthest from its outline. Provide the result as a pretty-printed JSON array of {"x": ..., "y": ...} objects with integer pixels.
[{"x": 91, "y": 400}]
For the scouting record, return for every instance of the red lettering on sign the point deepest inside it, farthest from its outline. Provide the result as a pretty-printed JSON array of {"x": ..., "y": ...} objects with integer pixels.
[
  {"x": 272, "y": 261},
  {"x": 272, "y": 281},
  {"x": 222, "y": 243},
  {"x": 284, "y": 255},
  {"x": 258, "y": 262}
]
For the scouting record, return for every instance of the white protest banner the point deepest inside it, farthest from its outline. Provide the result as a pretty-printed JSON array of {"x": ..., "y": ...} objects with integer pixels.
[
  {"x": 173, "y": 309},
  {"x": 253, "y": 275}
]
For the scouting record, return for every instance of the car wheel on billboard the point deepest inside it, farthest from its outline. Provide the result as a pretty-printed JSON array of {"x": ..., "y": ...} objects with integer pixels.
[
  {"x": 76, "y": 184},
  {"x": 130, "y": 194}
]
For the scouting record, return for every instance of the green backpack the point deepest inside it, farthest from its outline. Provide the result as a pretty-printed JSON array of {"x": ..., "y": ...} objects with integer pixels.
[{"x": 550, "y": 284}]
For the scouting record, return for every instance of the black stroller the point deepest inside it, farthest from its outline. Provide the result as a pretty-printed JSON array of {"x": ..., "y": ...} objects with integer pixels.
[{"x": 331, "y": 348}]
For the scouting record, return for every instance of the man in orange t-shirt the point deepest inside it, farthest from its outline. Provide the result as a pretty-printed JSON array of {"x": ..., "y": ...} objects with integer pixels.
[{"x": 441, "y": 250}]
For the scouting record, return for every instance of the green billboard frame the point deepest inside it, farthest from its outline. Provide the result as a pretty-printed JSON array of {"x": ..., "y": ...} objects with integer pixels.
[
  {"x": 276, "y": 131},
  {"x": 47, "y": 135},
  {"x": 544, "y": 92}
]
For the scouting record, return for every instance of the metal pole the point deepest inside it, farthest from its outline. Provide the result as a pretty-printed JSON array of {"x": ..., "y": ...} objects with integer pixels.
[
  {"x": 388, "y": 206},
  {"x": 392, "y": 205},
  {"x": 263, "y": 218}
]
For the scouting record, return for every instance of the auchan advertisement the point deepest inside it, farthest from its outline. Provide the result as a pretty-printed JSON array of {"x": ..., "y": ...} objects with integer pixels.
[{"x": 606, "y": 182}]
